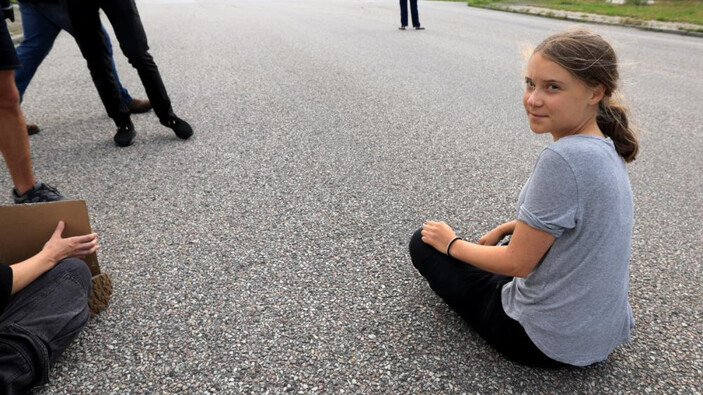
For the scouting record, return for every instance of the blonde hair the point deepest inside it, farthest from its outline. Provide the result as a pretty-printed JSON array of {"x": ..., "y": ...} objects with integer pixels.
[{"x": 591, "y": 59}]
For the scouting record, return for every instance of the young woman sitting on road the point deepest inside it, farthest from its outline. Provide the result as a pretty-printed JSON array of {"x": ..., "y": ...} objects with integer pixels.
[{"x": 557, "y": 293}]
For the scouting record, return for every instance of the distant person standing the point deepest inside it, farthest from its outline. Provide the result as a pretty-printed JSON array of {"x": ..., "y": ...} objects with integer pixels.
[
  {"x": 127, "y": 24},
  {"x": 42, "y": 21},
  {"x": 413, "y": 13}
]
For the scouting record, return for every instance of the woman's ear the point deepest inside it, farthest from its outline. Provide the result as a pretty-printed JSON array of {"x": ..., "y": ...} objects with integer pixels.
[{"x": 597, "y": 94}]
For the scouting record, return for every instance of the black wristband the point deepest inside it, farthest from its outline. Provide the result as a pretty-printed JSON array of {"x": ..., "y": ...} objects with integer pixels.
[{"x": 450, "y": 244}]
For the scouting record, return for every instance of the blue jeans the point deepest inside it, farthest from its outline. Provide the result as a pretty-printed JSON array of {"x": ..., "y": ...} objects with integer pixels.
[
  {"x": 40, "y": 322},
  {"x": 42, "y": 22}
]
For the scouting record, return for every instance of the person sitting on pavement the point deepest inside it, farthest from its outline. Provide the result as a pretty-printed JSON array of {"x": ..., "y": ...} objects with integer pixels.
[
  {"x": 14, "y": 143},
  {"x": 127, "y": 24},
  {"x": 556, "y": 293},
  {"x": 43, "y": 307},
  {"x": 42, "y": 21}
]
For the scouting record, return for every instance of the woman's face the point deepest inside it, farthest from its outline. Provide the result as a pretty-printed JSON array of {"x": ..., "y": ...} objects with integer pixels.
[{"x": 557, "y": 102}]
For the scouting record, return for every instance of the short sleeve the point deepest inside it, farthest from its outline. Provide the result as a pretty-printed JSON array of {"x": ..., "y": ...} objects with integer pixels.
[
  {"x": 5, "y": 286},
  {"x": 551, "y": 196}
]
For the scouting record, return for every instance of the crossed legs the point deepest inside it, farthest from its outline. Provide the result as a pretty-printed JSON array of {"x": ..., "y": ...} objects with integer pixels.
[{"x": 475, "y": 295}]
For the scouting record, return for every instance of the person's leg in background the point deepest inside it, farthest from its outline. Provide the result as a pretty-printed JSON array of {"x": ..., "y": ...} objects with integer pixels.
[
  {"x": 135, "y": 106},
  {"x": 39, "y": 36},
  {"x": 127, "y": 24},
  {"x": 403, "y": 14},
  {"x": 14, "y": 143},
  {"x": 42, "y": 22},
  {"x": 124, "y": 94},
  {"x": 87, "y": 29},
  {"x": 40, "y": 322},
  {"x": 415, "y": 15}
]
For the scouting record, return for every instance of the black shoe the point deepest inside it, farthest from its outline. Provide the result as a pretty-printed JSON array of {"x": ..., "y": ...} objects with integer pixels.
[
  {"x": 180, "y": 127},
  {"x": 402, "y": 27},
  {"x": 125, "y": 134},
  {"x": 32, "y": 129},
  {"x": 419, "y": 28},
  {"x": 40, "y": 192}
]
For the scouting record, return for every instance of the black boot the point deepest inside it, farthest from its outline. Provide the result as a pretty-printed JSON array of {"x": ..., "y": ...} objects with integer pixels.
[
  {"x": 180, "y": 127},
  {"x": 125, "y": 134}
]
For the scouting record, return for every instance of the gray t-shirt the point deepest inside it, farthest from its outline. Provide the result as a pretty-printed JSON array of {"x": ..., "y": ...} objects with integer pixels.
[{"x": 574, "y": 305}]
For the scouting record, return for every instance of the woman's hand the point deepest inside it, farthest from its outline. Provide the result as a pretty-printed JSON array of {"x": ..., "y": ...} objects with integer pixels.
[
  {"x": 492, "y": 237},
  {"x": 58, "y": 248},
  {"x": 437, "y": 234}
]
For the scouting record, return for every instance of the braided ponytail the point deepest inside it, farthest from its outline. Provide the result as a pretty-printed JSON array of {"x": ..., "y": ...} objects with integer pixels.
[
  {"x": 592, "y": 60},
  {"x": 612, "y": 121}
]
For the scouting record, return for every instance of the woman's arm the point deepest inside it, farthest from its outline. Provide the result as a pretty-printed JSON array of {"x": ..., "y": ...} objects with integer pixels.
[
  {"x": 25, "y": 272},
  {"x": 56, "y": 249},
  {"x": 527, "y": 247}
]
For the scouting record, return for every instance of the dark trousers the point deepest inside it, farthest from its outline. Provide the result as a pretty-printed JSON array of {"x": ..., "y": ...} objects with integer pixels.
[
  {"x": 476, "y": 296},
  {"x": 8, "y": 55},
  {"x": 40, "y": 322},
  {"x": 130, "y": 33},
  {"x": 413, "y": 13},
  {"x": 42, "y": 22}
]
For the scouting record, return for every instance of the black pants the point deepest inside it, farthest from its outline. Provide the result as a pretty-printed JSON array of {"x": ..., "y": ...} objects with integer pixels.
[
  {"x": 130, "y": 33},
  {"x": 8, "y": 55},
  {"x": 476, "y": 296},
  {"x": 413, "y": 13}
]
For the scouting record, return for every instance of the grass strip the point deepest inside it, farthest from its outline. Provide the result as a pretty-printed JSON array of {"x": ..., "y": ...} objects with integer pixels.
[{"x": 688, "y": 11}]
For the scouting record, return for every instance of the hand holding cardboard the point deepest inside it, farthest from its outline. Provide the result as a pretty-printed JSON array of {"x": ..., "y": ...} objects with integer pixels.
[{"x": 25, "y": 228}]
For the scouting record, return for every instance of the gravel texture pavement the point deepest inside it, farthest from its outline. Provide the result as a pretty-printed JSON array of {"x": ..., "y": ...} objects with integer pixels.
[{"x": 269, "y": 252}]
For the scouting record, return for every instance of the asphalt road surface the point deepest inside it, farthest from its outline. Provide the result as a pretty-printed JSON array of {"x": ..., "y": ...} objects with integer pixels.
[{"x": 269, "y": 252}]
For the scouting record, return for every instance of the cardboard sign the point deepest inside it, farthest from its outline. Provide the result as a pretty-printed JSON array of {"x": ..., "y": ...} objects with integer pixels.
[{"x": 25, "y": 228}]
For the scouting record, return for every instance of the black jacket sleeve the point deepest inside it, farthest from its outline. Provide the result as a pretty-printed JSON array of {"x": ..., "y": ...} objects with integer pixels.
[{"x": 5, "y": 286}]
